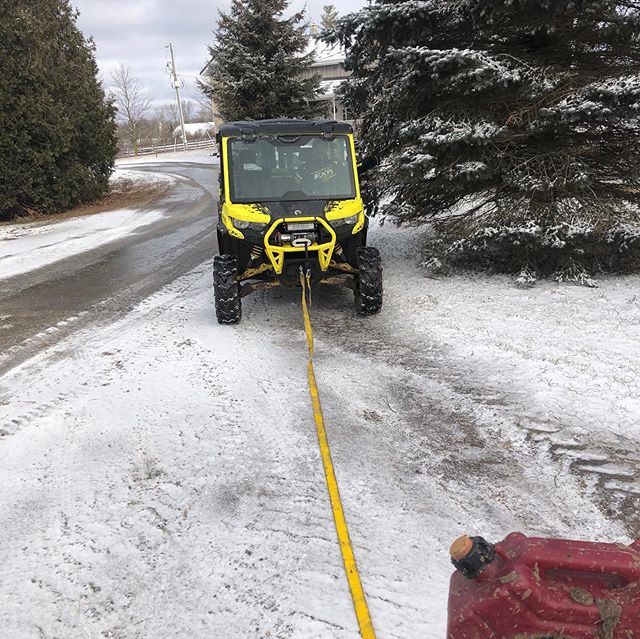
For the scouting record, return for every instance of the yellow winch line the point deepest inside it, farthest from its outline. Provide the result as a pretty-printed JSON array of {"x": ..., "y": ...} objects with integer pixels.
[{"x": 351, "y": 569}]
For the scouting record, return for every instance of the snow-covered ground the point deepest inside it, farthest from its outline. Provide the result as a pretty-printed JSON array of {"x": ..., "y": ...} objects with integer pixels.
[
  {"x": 569, "y": 355},
  {"x": 162, "y": 479},
  {"x": 26, "y": 247}
]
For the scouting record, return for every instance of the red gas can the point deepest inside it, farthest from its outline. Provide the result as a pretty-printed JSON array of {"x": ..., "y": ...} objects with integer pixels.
[{"x": 532, "y": 588}]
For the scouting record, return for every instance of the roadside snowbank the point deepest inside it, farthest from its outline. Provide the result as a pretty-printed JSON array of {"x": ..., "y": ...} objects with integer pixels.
[{"x": 27, "y": 247}]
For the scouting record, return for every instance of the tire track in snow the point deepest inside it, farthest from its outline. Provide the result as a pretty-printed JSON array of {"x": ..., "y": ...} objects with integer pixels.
[
  {"x": 154, "y": 307},
  {"x": 208, "y": 509},
  {"x": 608, "y": 463},
  {"x": 409, "y": 429},
  {"x": 199, "y": 499}
]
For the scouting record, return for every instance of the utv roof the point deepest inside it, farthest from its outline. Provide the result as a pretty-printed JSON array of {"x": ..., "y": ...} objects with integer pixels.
[{"x": 283, "y": 127}]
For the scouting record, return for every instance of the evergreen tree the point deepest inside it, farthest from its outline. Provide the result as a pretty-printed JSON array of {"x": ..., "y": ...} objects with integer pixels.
[
  {"x": 513, "y": 125},
  {"x": 257, "y": 63},
  {"x": 57, "y": 132},
  {"x": 329, "y": 17}
]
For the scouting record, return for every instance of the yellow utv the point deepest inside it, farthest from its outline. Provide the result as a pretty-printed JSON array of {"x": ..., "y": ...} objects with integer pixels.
[{"x": 290, "y": 204}]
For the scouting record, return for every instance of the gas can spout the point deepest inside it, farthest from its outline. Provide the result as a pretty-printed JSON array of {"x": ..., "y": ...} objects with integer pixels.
[{"x": 471, "y": 555}]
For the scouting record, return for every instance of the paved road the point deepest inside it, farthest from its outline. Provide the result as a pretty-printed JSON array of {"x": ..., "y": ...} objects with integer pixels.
[{"x": 101, "y": 284}]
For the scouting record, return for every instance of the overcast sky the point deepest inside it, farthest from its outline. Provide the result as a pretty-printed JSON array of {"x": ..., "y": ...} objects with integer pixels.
[{"x": 137, "y": 32}]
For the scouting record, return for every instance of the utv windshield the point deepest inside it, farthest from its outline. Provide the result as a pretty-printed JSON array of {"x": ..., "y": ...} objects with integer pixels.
[{"x": 291, "y": 168}]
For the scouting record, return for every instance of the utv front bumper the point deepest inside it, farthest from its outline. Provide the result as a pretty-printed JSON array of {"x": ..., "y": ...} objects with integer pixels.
[{"x": 302, "y": 235}]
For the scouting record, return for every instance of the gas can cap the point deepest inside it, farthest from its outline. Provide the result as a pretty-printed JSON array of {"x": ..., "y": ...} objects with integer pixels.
[{"x": 471, "y": 555}]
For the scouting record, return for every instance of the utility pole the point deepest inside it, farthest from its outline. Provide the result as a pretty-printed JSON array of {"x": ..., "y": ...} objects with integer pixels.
[{"x": 175, "y": 83}]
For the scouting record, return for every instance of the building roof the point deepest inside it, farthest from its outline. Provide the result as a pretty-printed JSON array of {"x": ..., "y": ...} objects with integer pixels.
[
  {"x": 325, "y": 54},
  {"x": 195, "y": 128},
  {"x": 283, "y": 126}
]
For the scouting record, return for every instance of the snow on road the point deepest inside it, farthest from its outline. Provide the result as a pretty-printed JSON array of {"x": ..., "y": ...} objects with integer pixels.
[
  {"x": 168, "y": 487},
  {"x": 172, "y": 157},
  {"x": 27, "y": 247},
  {"x": 162, "y": 477}
]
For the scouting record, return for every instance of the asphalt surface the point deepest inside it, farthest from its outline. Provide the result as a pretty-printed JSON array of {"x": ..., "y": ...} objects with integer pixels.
[{"x": 101, "y": 284}]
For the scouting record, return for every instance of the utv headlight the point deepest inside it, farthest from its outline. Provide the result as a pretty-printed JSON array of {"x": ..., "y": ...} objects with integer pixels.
[
  {"x": 345, "y": 221},
  {"x": 244, "y": 224}
]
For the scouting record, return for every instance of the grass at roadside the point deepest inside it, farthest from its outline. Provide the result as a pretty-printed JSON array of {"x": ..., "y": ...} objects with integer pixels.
[{"x": 126, "y": 191}]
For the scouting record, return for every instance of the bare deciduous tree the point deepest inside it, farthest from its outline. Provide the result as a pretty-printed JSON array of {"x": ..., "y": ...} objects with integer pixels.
[
  {"x": 188, "y": 110},
  {"x": 131, "y": 100},
  {"x": 207, "y": 111}
]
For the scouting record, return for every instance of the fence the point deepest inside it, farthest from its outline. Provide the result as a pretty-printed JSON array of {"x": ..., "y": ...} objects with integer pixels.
[{"x": 207, "y": 143}]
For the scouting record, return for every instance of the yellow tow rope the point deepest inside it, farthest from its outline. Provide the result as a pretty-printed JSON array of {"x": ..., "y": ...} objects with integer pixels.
[{"x": 353, "y": 576}]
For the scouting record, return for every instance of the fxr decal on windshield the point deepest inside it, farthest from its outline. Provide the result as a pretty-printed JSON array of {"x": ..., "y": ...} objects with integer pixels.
[{"x": 324, "y": 174}]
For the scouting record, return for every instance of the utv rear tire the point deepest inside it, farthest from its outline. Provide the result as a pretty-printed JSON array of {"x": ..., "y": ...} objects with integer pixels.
[
  {"x": 226, "y": 290},
  {"x": 368, "y": 293}
]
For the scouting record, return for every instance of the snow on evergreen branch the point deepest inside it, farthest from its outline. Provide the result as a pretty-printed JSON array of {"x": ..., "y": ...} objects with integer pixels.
[{"x": 451, "y": 63}]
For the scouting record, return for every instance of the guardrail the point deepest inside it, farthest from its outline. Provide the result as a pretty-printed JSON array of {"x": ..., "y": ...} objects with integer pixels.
[{"x": 207, "y": 143}]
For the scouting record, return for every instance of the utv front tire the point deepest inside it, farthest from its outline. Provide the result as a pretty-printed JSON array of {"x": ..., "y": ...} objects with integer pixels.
[
  {"x": 226, "y": 290},
  {"x": 368, "y": 293}
]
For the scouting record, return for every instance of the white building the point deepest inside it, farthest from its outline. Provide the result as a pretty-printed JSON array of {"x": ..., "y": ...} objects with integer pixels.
[
  {"x": 196, "y": 130},
  {"x": 329, "y": 65}
]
